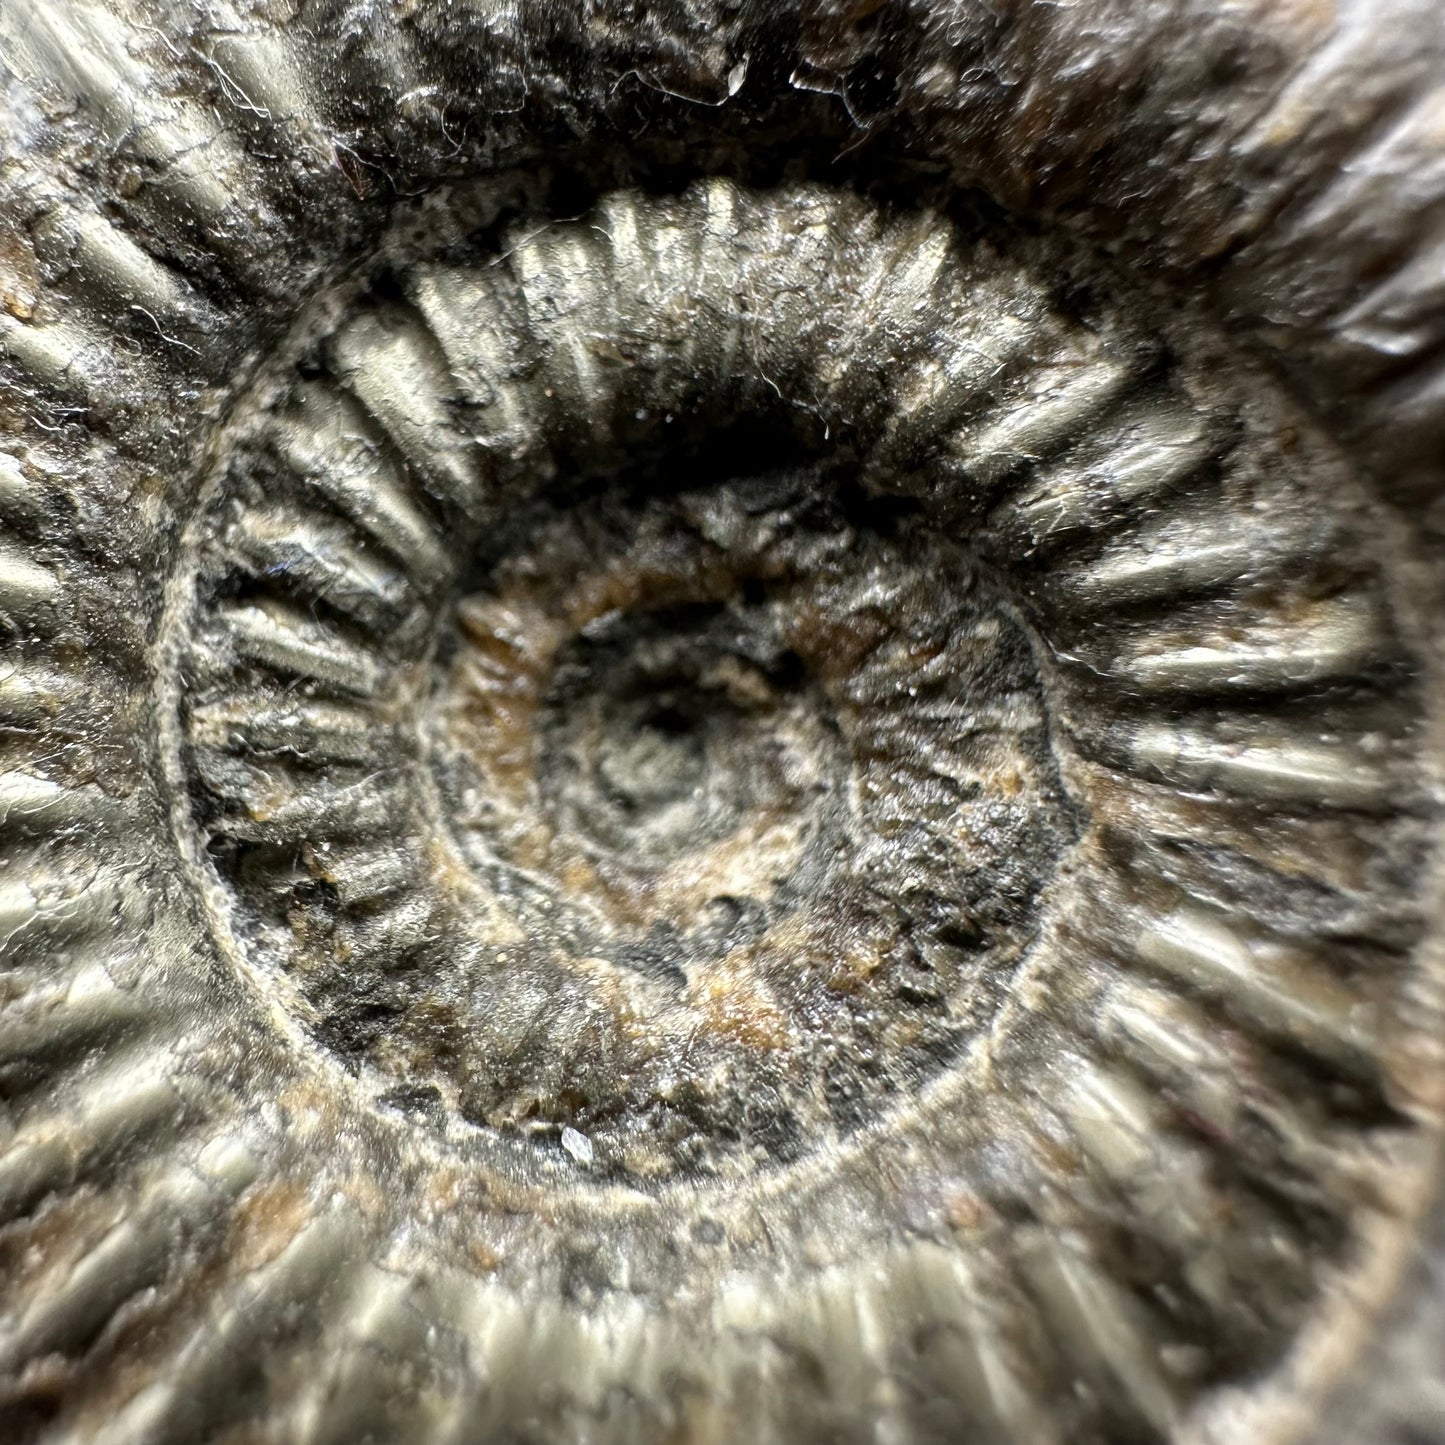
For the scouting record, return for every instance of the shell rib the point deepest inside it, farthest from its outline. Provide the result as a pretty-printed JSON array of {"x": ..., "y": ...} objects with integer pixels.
[{"x": 718, "y": 725}]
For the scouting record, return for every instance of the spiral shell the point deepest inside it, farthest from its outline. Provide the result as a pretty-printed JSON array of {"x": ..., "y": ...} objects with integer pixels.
[{"x": 717, "y": 725}]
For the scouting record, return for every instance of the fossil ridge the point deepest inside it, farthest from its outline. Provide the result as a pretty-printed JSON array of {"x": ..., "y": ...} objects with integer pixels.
[{"x": 720, "y": 721}]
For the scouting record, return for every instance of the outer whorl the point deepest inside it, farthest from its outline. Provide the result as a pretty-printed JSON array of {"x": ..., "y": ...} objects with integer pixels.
[{"x": 720, "y": 723}]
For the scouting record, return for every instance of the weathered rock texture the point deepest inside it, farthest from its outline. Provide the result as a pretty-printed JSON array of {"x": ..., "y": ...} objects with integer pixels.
[{"x": 721, "y": 722}]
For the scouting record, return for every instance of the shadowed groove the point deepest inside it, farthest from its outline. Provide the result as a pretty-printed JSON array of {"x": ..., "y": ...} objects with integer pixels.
[
  {"x": 132, "y": 1098},
  {"x": 65, "y": 1315},
  {"x": 190, "y": 1396}
]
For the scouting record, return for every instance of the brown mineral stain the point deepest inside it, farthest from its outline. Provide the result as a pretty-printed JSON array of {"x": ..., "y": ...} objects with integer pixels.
[
  {"x": 54, "y": 1237},
  {"x": 966, "y": 1213},
  {"x": 579, "y": 878},
  {"x": 265, "y": 1220},
  {"x": 531, "y": 847},
  {"x": 1292, "y": 846},
  {"x": 731, "y": 1005},
  {"x": 19, "y": 278},
  {"x": 835, "y": 644},
  {"x": 484, "y": 1257},
  {"x": 744, "y": 864}
]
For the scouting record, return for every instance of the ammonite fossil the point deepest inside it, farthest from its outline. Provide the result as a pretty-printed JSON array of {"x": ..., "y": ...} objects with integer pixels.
[{"x": 720, "y": 722}]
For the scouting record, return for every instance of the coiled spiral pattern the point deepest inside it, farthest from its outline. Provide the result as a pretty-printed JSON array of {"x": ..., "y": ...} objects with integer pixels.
[{"x": 690, "y": 801}]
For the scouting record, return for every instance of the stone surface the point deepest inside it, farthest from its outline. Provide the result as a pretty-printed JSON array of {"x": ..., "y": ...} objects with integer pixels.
[{"x": 720, "y": 722}]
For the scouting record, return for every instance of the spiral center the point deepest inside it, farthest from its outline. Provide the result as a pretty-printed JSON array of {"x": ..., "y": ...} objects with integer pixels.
[
  {"x": 758, "y": 778},
  {"x": 664, "y": 735},
  {"x": 657, "y": 737}
]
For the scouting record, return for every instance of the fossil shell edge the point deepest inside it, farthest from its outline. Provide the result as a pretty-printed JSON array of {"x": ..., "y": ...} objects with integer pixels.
[{"x": 192, "y": 194}]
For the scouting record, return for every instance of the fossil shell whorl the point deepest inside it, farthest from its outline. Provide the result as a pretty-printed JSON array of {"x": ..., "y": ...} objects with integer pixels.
[{"x": 717, "y": 771}]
